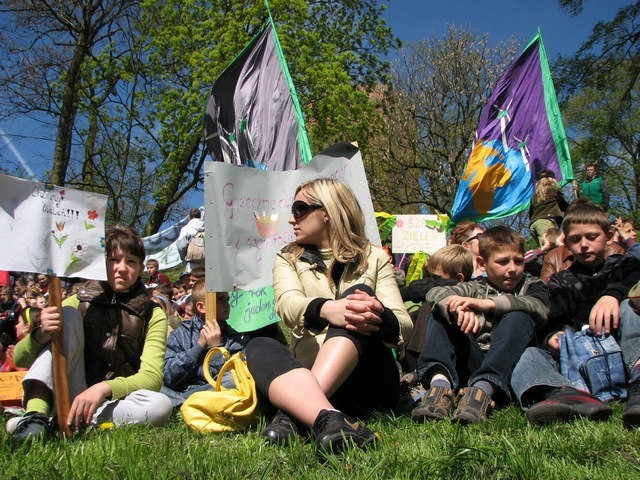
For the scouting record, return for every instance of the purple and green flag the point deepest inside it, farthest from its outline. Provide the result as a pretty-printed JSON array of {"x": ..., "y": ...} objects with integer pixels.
[
  {"x": 253, "y": 117},
  {"x": 520, "y": 132}
]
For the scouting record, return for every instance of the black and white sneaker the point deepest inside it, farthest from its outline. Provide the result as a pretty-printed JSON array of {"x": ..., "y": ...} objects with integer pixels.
[{"x": 31, "y": 427}]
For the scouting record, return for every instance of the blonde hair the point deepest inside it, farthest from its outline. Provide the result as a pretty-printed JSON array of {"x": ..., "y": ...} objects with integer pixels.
[
  {"x": 546, "y": 189},
  {"x": 347, "y": 238},
  {"x": 453, "y": 259},
  {"x": 198, "y": 291}
]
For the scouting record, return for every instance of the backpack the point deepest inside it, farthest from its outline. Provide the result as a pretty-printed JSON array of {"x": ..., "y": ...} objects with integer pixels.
[
  {"x": 195, "y": 248},
  {"x": 593, "y": 363}
]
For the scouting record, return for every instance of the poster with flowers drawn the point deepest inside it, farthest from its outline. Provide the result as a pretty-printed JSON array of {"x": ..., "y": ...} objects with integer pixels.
[
  {"x": 247, "y": 213},
  {"x": 49, "y": 229}
]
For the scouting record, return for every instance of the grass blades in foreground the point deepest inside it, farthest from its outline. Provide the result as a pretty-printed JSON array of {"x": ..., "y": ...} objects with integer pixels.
[{"x": 505, "y": 447}]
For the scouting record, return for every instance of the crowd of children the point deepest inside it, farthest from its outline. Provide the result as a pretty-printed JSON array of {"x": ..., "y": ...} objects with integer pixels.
[{"x": 486, "y": 322}]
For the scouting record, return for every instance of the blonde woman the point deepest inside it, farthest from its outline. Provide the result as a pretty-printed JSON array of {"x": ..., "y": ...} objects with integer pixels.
[{"x": 338, "y": 294}]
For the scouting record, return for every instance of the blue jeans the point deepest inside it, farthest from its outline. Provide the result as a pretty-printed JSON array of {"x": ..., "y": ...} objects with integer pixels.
[
  {"x": 450, "y": 351},
  {"x": 178, "y": 397},
  {"x": 537, "y": 371}
]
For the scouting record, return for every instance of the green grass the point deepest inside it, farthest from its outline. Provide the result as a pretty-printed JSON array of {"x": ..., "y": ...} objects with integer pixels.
[{"x": 505, "y": 447}]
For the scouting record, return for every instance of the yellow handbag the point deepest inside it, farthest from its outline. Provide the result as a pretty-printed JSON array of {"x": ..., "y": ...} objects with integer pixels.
[{"x": 223, "y": 409}]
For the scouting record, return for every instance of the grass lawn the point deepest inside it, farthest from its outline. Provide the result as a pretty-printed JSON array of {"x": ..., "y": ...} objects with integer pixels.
[{"x": 505, "y": 447}]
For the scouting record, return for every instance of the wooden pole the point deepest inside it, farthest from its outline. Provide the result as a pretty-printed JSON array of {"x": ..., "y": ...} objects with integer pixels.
[
  {"x": 210, "y": 306},
  {"x": 60, "y": 378}
]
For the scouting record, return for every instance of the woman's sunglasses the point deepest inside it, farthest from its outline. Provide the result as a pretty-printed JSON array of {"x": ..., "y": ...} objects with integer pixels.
[
  {"x": 300, "y": 209},
  {"x": 475, "y": 237}
]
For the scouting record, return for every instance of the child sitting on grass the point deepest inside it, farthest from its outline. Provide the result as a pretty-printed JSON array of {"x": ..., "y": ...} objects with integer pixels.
[
  {"x": 588, "y": 292},
  {"x": 188, "y": 344},
  {"x": 114, "y": 341},
  {"x": 477, "y": 332},
  {"x": 447, "y": 266}
]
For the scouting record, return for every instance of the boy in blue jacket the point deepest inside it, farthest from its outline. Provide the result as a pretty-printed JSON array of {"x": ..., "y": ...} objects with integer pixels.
[{"x": 188, "y": 344}]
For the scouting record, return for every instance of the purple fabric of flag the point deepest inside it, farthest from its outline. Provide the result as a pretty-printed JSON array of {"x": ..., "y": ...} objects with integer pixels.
[{"x": 517, "y": 136}]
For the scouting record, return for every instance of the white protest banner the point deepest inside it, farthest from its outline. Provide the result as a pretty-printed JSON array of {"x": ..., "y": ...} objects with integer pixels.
[
  {"x": 49, "y": 229},
  {"x": 411, "y": 234},
  {"x": 247, "y": 214}
]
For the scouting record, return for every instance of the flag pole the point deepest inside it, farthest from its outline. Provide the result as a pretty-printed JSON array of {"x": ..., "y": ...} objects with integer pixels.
[
  {"x": 211, "y": 313},
  {"x": 60, "y": 378}
]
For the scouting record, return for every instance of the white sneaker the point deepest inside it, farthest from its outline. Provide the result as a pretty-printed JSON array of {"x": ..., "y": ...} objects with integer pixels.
[{"x": 11, "y": 424}]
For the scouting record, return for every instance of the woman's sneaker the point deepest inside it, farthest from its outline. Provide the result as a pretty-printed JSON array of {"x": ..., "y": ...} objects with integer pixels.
[
  {"x": 31, "y": 427},
  {"x": 436, "y": 404},
  {"x": 333, "y": 431},
  {"x": 281, "y": 429}
]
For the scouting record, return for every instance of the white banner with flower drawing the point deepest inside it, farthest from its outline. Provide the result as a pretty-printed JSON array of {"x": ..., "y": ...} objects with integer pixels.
[{"x": 49, "y": 229}]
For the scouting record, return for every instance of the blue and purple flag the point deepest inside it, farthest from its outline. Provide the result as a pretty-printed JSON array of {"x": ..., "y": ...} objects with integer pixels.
[{"x": 520, "y": 132}]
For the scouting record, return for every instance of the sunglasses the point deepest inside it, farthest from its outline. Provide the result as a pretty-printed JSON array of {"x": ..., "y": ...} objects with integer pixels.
[
  {"x": 300, "y": 209},
  {"x": 475, "y": 237}
]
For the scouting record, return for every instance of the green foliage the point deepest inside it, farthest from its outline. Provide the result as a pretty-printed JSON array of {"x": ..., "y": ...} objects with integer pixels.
[
  {"x": 333, "y": 50},
  {"x": 136, "y": 96},
  {"x": 504, "y": 447},
  {"x": 600, "y": 93}
]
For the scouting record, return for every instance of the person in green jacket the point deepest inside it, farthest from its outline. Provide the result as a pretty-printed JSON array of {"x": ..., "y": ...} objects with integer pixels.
[
  {"x": 115, "y": 342},
  {"x": 594, "y": 188}
]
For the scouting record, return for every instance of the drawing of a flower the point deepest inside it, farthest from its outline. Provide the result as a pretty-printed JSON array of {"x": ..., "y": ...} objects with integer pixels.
[
  {"x": 79, "y": 248},
  {"x": 92, "y": 214}
]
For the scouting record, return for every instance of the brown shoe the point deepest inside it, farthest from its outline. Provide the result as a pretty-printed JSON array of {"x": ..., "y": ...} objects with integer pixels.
[
  {"x": 473, "y": 406},
  {"x": 436, "y": 404}
]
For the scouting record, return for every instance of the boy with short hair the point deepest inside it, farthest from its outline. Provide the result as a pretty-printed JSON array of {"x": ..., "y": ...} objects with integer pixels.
[
  {"x": 588, "y": 292},
  {"x": 156, "y": 277},
  {"x": 447, "y": 266},
  {"x": 477, "y": 331},
  {"x": 188, "y": 344}
]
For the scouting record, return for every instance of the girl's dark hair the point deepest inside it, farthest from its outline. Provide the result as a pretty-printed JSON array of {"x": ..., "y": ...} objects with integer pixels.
[{"x": 126, "y": 239}]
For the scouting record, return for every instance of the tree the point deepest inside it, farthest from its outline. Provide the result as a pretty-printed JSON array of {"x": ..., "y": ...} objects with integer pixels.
[
  {"x": 124, "y": 84},
  {"x": 334, "y": 51},
  {"x": 440, "y": 87},
  {"x": 55, "y": 40},
  {"x": 599, "y": 91}
]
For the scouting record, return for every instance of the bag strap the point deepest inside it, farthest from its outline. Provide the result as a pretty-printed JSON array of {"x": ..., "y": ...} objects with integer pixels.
[
  {"x": 207, "y": 361},
  {"x": 237, "y": 366}
]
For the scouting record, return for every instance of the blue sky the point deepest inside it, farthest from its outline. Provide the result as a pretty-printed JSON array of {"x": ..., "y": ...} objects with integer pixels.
[{"x": 411, "y": 21}]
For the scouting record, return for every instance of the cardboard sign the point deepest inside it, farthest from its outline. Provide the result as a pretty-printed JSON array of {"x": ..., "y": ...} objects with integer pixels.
[{"x": 411, "y": 234}]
